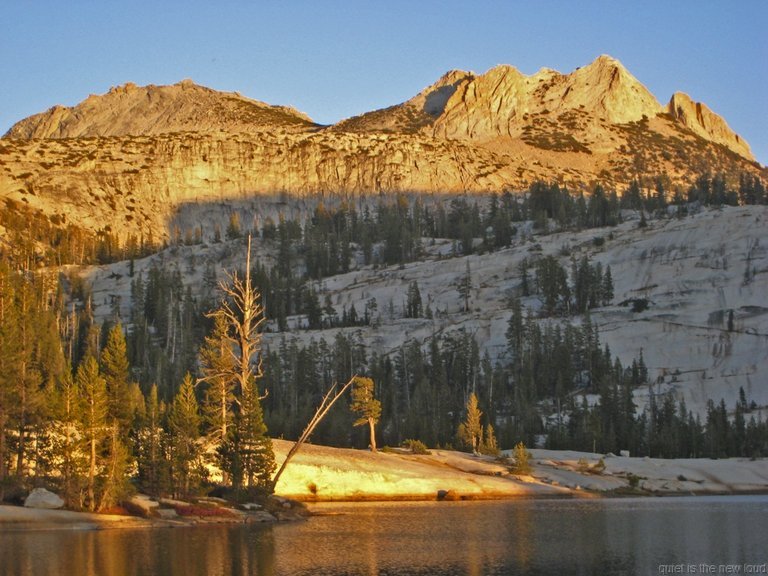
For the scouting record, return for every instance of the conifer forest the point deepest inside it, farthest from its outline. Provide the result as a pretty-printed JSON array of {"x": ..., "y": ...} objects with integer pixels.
[{"x": 179, "y": 391}]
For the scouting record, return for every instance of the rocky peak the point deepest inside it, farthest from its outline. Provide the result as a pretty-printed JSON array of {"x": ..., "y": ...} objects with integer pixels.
[
  {"x": 501, "y": 102},
  {"x": 130, "y": 110},
  {"x": 434, "y": 98},
  {"x": 607, "y": 89},
  {"x": 701, "y": 120},
  {"x": 486, "y": 106}
]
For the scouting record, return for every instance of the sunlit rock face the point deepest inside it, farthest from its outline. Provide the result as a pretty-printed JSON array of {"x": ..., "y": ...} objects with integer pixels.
[
  {"x": 130, "y": 110},
  {"x": 707, "y": 124},
  {"x": 130, "y": 158},
  {"x": 502, "y": 101}
]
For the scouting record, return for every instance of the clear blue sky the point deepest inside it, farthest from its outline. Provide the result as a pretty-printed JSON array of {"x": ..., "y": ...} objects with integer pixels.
[{"x": 334, "y": 59}]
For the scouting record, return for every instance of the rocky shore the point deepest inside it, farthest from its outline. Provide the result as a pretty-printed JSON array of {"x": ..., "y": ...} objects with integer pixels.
[{"x": 324, "y": 474}]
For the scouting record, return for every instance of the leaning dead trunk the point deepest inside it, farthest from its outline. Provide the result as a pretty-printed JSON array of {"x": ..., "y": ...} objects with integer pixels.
[{"x": 325, "y": 405}]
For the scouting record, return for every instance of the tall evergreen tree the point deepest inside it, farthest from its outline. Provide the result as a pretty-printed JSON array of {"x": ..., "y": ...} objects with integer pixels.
[
  {"x": 69, "y": 446},
  {"x": 464, "y": 287},
  {"x": 116, "y": 372},
  {"x": 218, "y": 365},
  {"x": 413, "y": 307},
  {"x": 154, "y": 473},
  {"x": 10, "y": 353},
  {"x": 94, "y": 406},
  {"x": 116, "y": 461},
  {"x": 184, "y": 425}
]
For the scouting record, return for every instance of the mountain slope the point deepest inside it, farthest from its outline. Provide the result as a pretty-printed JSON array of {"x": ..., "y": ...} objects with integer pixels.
[
  {"x": 692, "y": 272},
  {"x": 132, "y": 110}
]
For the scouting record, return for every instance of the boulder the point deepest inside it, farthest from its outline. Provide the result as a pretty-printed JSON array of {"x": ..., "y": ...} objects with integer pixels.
[
  {"x": 447, "y": 496},
  {"x": 143, "y": 504},
  {"x": 173, "y": 503},
  {"x": 260, "y": 516},
  {"x": 42, "y": 498},
  {"x": 166, "y": 513}
]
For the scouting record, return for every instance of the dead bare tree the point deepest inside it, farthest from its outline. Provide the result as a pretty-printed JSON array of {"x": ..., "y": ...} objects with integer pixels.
[
  {"x": 245, "y": 316},
  {"x": 229, "y": 370}
]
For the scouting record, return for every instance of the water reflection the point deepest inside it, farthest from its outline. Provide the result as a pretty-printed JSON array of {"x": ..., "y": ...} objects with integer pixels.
[
  {"x": 607, "y": 537},
  {"x": 209, "y": 550}
]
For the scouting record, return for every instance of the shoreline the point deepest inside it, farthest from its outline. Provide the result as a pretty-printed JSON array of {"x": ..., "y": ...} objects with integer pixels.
[
  {"x": 20, "y": 519},
  {"x": 321, "y": 474}
]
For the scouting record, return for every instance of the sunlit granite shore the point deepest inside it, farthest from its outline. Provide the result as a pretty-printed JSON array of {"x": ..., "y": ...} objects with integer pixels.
[{"x": 324, "y": 474}]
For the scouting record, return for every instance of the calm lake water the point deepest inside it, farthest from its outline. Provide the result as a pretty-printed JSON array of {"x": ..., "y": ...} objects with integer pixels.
[{"x": 605, "y": 537}]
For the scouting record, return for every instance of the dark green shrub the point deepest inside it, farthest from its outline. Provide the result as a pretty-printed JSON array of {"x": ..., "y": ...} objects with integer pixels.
[{"x": 416, "y": 446}]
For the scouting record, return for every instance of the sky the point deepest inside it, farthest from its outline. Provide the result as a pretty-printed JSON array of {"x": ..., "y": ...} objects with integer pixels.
[{"x": 333, "y": 59}]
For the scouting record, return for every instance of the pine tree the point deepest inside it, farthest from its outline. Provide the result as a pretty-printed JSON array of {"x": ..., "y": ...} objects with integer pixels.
[
  {"x": 153, "y": 466},
  {"x": 257, "y": 459},
  {"x": 28, "y": 379},
  {"x": 525, "y": 284},
  {"x": 115, "y": 483},
  {"x": 515, "y": 331},
  {"x": 365, "y": 404},
  {"x": 489, "y": 445},
  {"x": 218, "y": 365},
  {"x": 464, "y": 287},
  {"x": 607, "y": 288},
  {"x": 94, "y": 406},
  {"x": 413, "y": 305},
  {"x": 552, "y": 282},
  {"x": 471, "y": 430},
  {"x": 115, "y": 370},
  {"x": 69, "y": 446},
  {"x": 184, "y": 427},
  {"x": 10, "y": 353},
  {"x": 522, "y": 459},
  {"x": 233, "y": 228}
]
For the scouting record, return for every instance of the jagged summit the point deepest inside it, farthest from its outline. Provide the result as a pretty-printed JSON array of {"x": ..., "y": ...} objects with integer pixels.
[
  {"x": 574, "y": 112},
  {"x": 504, "y": 102},
  {"x": 134, "y": 110}
]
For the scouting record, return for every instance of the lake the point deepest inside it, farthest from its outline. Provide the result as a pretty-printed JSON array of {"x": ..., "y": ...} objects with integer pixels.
[{"x": 688, "y": 535}]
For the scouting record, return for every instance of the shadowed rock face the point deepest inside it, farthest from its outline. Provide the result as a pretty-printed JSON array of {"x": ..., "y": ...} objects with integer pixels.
[{"x": 131, "y": 156}]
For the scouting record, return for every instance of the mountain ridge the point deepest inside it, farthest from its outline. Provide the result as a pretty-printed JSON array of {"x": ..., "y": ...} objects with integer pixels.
[
  {"x": 460, "y": 104},
  {"x": 131, "y": 156}
]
